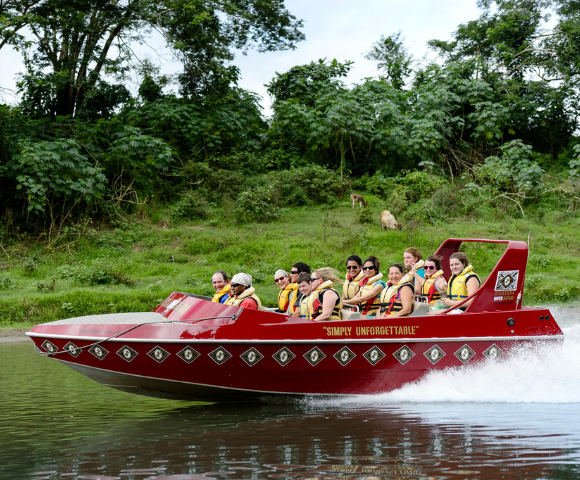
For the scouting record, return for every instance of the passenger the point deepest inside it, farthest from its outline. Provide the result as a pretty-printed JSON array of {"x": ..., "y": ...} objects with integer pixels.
[
  {"x": 371, "y": 287},
  {"x": 354, "y": 275},
  {"x": 305, "y": 289},
  {"x": 242, "y": 293},
  {"x": 397, "y": 298},
  {"x": 413, "y": 256},
  {"x": 295, "y": 296},
  {"x": 425, "y": 288},
  {"x": 286, "y": 288},
  {"x": 463, "y": 282},
  {"x": 324, "y": 303},
  {"x": 220, "y": 284}
]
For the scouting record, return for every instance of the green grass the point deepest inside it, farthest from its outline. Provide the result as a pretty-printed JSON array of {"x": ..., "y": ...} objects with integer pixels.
[{"x": 150, "y": 261}]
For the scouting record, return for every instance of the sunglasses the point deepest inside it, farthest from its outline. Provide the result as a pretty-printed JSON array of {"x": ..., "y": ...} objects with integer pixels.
[
  {"x": 293, "y": 273},
  {"x": 280, "y": 279},
  {"x": 352, "y": 268},
  {"x": 314, "y": 279},
  {"x": 368, "y": 268},
  {"x": 234, "y": 285},
  {"x": 429, "y": 268}
]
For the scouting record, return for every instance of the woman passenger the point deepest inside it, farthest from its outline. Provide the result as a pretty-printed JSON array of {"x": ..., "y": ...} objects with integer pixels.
[
  {"x": 463, "y": 282},
  {"x": 411, "y": 257},
  {"x": 354, "y": 275},
  {"x": 425, "y": 288},
  {"x": 324, "y": 303},
  {"x": 371, "y": 287},
  {"x": 397, "y": 299}
]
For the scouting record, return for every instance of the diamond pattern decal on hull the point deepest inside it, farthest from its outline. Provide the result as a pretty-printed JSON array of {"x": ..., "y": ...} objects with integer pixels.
[
  {"x": 314, "y": 356},
  {"x": 283, "y": 356},
  {"x": 493, "y": 352},
  {"x": 72, "y": 349},
  {"x": 434, "y": 354},
  {"x": 344, "y": 355},
  {"x": 252, "y": 356},
  {"x": 220, "y": 355},
  {"x": 158, "y": 354},
  {"x": 127, "y": 353},
  {"x": 374, "y": 355},
  {"x": 98, "y": 351},
  {"x": 49, "y": 347},
  {"x": 465, "y": 353},
  {"x": 404, "y": 354},
  {"x": 188, "y": 354}
]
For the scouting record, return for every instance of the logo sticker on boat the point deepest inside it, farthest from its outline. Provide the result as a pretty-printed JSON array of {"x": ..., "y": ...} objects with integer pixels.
[
  {"x": 507, "y": 281},
  {"x": 220, "y": 355},
  {"x": 158, "y": 354},
  {"x": 127, "y": 353},
  {"x": 465, "y": 353},
  {"x": 493, "y": 352},
  {"x": 72, "y": 349},
  {"x": 404, "y": 354},
  {"x": 49, "y": 347},
  {"x": 283, "y": 356},
  {"x": 434, "y": 354},
  {"x": 314, "y": 356},
  {"x": 188, "y": 354},
  {"x": 374, "y": 355},
  {"x": 98, "y": 351},
  {"x": 344, "y": 355},
  {"x": 251, "y": 357}
]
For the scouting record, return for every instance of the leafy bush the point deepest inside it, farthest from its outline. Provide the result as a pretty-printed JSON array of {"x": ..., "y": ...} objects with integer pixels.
[
  {"x": 190, "y": 205},
  {"x": 29, "y": 265},
  {"x": 6, "y": 282},
  {"x": 100, "y": 272},
  {"x": 365, "y": 215},
  {"x": 513, "y": 171},
  {"x": 308, "y": 185},
  {"x": 257, "y": 205}
]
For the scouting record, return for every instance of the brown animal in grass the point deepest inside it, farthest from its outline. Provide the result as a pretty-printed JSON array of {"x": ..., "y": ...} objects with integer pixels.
[
  {"x": 388, "y": 221},
  {"x": 355, "y": 197}
]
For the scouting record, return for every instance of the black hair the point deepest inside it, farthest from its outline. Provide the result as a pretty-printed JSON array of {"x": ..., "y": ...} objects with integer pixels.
[
  {"x": 302, "y": 267},
  {"x": 354, "y": 258},
  {"x": 400, "y": 266},
  {"x": 375, "y": 261},
  {"x": 436, "y": 259}
]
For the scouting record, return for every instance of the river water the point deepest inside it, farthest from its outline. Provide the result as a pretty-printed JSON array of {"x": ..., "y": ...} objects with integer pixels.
[{"x": 519, "y": 418}]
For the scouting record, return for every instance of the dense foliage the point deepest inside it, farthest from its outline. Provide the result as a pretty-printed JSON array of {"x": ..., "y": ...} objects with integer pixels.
[{"x": 490, "y": 127}]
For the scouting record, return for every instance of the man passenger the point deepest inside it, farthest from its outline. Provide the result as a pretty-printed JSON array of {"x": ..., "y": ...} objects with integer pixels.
[
  {"x": 286, "y": 288},
  {"x": 295, "y": 296},
  {"x": 305, "y": 288},
  {"x": 242, "y": 293},
  {"x": 220, "y": 284}
]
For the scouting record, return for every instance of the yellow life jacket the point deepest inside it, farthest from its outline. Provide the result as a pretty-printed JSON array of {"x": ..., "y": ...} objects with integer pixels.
[
  {"x": 292, "y": 299},
  {"x": 248, "y": 292},
  {"x": 315, "y": 302},
  {"x": 224, "y": 291},
  {"x": 351, "y": 285},
  {"x": 429, "y": 293},
  {"x": 370, "y": 307},
  {"x": 389, "y": 301},
  {"x": 457, "y": 287},
  {"x": 304, "y": 306},
  {"x": 283, "y": 296}
]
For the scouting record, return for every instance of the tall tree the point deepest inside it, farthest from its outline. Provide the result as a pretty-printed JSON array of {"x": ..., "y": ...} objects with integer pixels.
[
  {"x": 392, "y": 59},
  {"x": 81, "y": 41}
]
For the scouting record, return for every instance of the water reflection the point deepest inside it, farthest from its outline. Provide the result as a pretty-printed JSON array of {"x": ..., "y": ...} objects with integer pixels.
[{"x": 55, "y": 423}]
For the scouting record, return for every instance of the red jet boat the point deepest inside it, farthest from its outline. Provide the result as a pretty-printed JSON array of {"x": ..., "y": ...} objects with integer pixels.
[{"x": 191, "y": 348}]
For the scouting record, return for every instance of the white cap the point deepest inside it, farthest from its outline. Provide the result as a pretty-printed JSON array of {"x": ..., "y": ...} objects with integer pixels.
[
  {"x": 242, "y": 279},
  {"x": 279, "y": 273}
]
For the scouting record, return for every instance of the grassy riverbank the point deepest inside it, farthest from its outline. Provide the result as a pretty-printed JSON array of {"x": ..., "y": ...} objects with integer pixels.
[{"x": 133, "y": 266}]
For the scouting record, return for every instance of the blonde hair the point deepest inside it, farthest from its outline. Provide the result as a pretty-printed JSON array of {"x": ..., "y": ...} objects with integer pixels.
[{"x": 328, "y": 273}]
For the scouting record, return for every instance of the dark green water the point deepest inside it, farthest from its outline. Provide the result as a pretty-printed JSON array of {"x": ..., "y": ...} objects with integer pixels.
[{"x": 55, "y": 424}]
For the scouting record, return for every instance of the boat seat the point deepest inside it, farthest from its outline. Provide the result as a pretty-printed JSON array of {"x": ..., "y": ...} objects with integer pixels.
[
  {"x": 419, "y": 309},
  {"x": 349, "y": 314}
]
